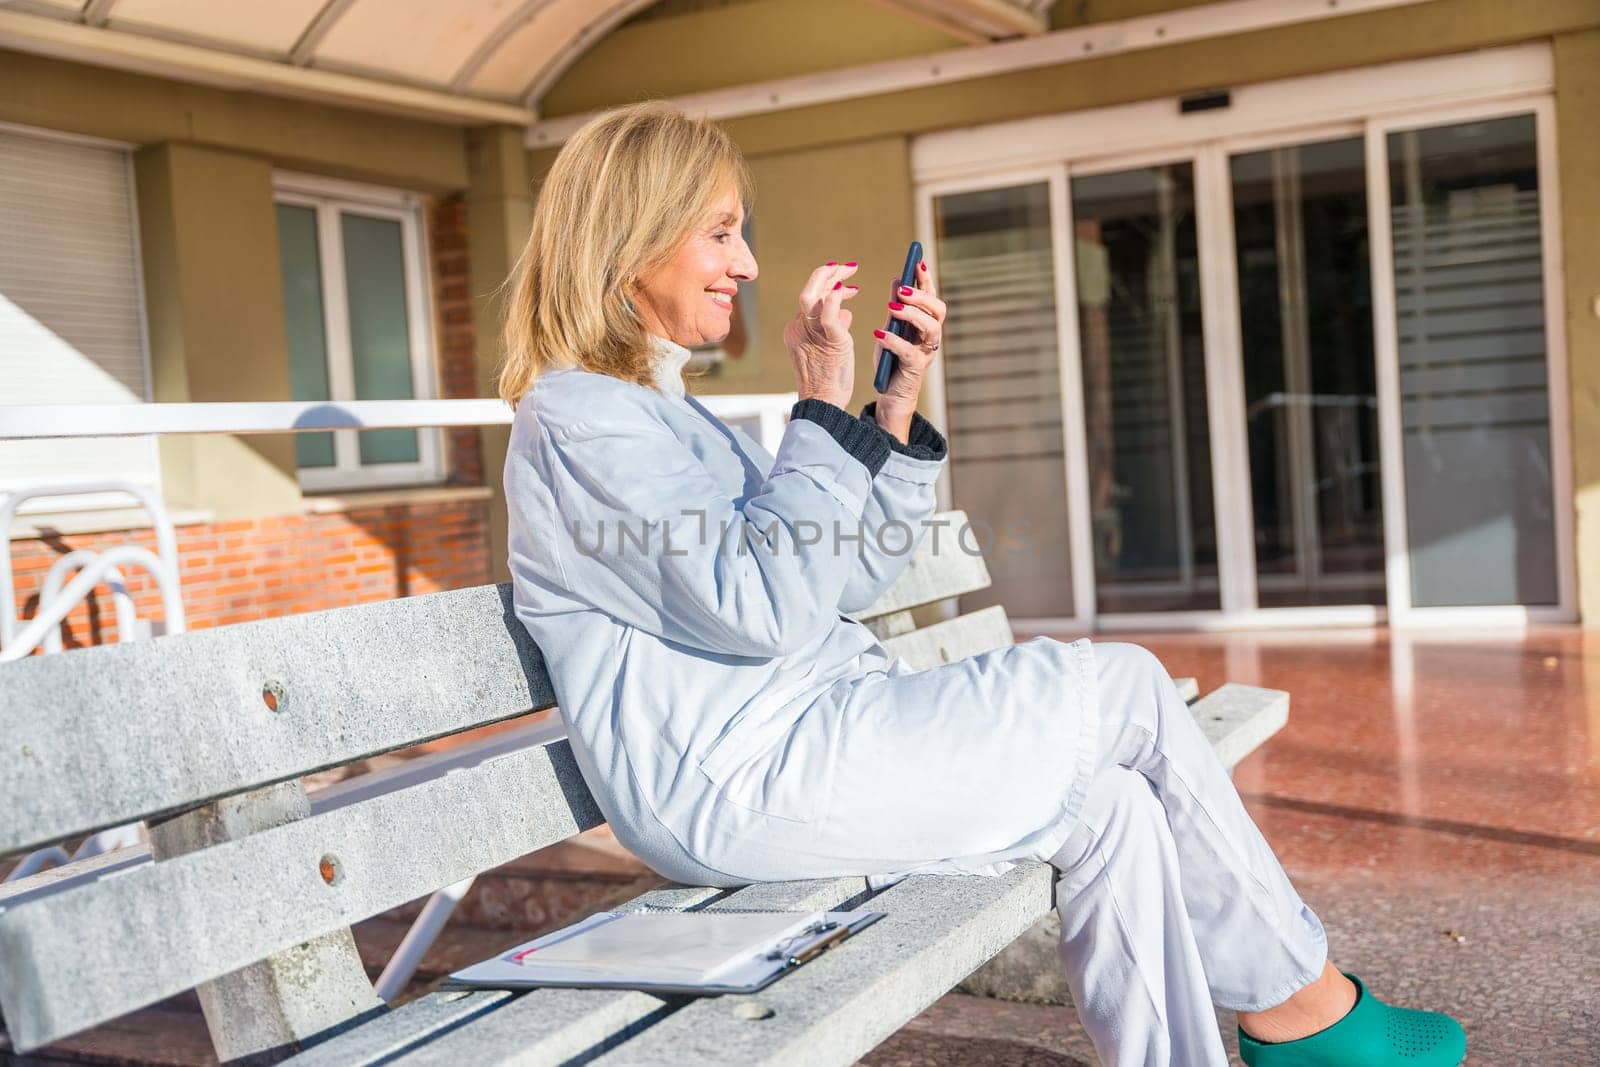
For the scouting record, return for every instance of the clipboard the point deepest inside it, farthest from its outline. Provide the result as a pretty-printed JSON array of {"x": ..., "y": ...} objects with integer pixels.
[{"x": 514, "y": 969}]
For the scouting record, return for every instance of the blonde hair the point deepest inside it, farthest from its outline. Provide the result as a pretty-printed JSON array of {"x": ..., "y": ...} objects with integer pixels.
[{"x": 621, "y": 198}]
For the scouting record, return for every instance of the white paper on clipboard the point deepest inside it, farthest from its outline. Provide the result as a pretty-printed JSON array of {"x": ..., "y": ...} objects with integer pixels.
[{"x": 523, "y": 967}]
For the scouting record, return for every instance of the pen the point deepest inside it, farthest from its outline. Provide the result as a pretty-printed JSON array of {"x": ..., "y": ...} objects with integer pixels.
[{"x": 821, "y": 946}]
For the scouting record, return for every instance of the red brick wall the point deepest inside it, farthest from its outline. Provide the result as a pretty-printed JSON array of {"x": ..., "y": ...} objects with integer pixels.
[
  {"x": 457, "y": 341},
  {"x": 251, "y": 569}
]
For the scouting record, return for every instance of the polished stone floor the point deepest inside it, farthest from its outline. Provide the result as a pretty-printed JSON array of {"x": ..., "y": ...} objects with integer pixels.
[{"x": 1436, "y": 798}]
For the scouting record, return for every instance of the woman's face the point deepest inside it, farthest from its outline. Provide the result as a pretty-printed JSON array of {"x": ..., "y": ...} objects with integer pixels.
[{"x": 689, "y": 299}]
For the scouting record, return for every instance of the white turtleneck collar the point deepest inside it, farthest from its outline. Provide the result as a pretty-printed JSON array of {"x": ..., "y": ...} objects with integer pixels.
[{"x": 670, "y": 358}]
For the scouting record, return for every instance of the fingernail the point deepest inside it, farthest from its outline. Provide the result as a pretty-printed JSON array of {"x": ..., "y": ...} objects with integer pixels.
[
  {"x": 905, "y": 290},
  {"x": 838, "y": 285},
  {"x": 879, "y": 334},
  {"x": 851, "y": 263},
  {"x": 857, "y": 288},
  {"x": 895, "y": 305},
  {"x": 922, "y": 266},
  {"x": 831, "y": 263}
]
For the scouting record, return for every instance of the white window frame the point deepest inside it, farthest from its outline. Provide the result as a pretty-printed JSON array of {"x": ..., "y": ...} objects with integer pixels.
[{"x": 328, "y": 197}]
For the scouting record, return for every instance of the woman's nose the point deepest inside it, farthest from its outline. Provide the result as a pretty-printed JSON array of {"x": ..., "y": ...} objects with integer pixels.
[{"x": 744, "y": 266}]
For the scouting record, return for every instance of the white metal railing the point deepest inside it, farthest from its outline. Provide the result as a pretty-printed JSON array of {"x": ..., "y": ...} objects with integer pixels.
[
  {"x": 761, "y": 415},
  {"x": 58, "y": 596}
]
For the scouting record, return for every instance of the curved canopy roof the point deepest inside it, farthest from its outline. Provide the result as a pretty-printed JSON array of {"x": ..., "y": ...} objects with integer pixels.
[
  {"x": 502, "y": 53},
  {"x": 451, "y": 60}
]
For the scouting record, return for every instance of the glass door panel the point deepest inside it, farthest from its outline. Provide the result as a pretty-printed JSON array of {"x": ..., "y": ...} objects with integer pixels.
[
  {"x": 1003, "y": 393},
  {"x": 1311, "y": 396},
  {"x": 1475, "y": 409},
  {"x": 380, "y": 342},
  {"x": 1144, "y": 386}
]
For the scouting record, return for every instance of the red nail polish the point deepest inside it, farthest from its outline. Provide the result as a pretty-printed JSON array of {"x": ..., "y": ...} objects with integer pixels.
[
  {"x": 879, "y": 334},
  {"x": 905, "y": 290},
  {"x": 895, "y": 305},
  {"x": 831, "y": 263},
  {"x": 851, "y": 263},
  {"x": 857, "y": 288},
  {"x": 922, "y": 266},
  {"x": 838, "y": 285}
]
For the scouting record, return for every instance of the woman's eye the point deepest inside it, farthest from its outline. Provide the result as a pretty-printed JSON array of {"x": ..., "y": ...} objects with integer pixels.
[{"x": 721, "y": 236}]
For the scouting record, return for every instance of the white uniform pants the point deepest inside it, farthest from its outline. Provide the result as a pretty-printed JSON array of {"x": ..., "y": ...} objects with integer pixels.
[{"x": 1170, "y": 899}]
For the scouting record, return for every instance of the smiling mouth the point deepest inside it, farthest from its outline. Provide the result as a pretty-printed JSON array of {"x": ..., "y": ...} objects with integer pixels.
[{"x": 722, "y": 299}]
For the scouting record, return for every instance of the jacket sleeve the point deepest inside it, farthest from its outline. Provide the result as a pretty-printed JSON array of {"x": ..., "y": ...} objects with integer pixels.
[
  {"x": 897, "y": 513},
  {"x": 651, "y": 538}
]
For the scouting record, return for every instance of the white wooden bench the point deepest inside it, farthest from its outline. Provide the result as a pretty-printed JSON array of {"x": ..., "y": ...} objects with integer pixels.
[{"x": 254, "y": 885}]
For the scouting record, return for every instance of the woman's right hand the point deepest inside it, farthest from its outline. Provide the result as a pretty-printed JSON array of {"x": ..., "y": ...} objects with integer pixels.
[{"x": 818, "y": 337}]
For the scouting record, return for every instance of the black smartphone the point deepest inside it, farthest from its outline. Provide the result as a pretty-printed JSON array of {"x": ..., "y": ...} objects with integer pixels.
[{"x": 908, "y": 277}]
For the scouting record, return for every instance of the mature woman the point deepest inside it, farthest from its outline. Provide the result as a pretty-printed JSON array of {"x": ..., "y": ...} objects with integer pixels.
[{"x": 690, "y": 590}]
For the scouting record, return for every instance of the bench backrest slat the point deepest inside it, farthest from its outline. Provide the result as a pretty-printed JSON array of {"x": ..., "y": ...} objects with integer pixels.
[
  {"x": 103, "y": 736},
  {"x": 198, "y": 916},
  {"x": 945, "y": 642},
  {"x": 946, "y": 564}
]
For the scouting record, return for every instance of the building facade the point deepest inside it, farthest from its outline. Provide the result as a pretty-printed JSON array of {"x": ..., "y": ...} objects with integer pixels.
[{"x": 1262, "y": 313}]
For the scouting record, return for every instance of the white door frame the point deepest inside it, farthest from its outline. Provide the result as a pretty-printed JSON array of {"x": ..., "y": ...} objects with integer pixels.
[{"x": 1369, "y": 102}]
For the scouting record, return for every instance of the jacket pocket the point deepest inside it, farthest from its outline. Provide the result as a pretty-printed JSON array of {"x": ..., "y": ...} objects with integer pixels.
[{"x": 773, "y": 761}]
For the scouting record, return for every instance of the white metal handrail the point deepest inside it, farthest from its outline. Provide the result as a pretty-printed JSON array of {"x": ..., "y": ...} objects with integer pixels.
[
  {"x": 163, "y": 566},
  {"x": 77, "y": 560},
  {"x": 34, "y": 634},
  {"x": 43, "y": 421}
]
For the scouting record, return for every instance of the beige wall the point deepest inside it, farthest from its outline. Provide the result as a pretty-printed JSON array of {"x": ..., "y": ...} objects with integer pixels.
[
  {"x": 208, "y": 236},
  {"x": 1577, "y": 58},
  {"x": 1307, "y": 48},
  {"x": 843, "y": 202},
  {"x": 717, "y": 46},
  {"x": 499, "y": 212},
  {"x": 295, "y": 134}
]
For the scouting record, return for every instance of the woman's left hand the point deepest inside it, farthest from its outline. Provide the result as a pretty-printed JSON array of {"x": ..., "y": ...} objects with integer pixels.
[{"x": 922, "y": 309}]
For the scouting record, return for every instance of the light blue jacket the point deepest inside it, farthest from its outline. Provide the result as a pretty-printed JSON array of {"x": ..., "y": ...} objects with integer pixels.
[{"x": 690, "y": 593}]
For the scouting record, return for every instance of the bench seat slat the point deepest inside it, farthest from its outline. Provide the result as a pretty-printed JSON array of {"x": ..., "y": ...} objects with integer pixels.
[
  {"x": 103, "y": 736},
  {"x": 199, "y": 916},
  {"x": 843, "y": 1003},
  {"x": 1238, "y": 719}
]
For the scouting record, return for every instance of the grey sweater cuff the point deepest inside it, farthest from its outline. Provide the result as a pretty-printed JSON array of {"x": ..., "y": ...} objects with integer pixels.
[
  {"x": 865, "y": 441},
  {"x": 923, "y": 442}
]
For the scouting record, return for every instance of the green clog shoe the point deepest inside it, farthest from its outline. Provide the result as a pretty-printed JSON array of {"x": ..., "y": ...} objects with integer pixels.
[{"x": 1373, "y": 1034}]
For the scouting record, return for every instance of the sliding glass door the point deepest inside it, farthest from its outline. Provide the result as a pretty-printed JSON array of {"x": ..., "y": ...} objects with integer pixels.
[
  {"x": 1142, "y": 354},
  {"x": 1310, "y": 378},
  {"x": 1473, "y": 363},
  {"x": 1002, "y": 392},
  {"x": 1306, "y": 378}
]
